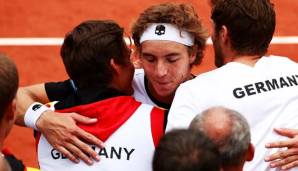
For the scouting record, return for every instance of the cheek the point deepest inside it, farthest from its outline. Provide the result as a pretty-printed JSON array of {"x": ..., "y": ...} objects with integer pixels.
[
  {"x": 184, "y": 65},
  {"x": 148, "y": 67},
  {"x": 181, "y": 71},
  {"x": 131, "y": 71}
]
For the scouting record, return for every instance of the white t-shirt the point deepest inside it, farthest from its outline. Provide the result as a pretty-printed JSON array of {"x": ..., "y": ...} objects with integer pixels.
[
  {"x": 138, "y": 84},
  {"x": 141, "y": 91},
  {"x": 266, "y": 94}
]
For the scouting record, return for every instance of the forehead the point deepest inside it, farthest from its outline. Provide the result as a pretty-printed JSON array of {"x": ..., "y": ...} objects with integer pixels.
[{"x": 162, "y": 47}]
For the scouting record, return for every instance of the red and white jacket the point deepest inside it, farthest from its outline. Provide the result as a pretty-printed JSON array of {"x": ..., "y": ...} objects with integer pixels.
[{"x": 130, "y": 130}]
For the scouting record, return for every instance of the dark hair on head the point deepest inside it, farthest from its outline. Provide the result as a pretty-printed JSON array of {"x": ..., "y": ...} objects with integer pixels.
[
  {"x": 186, "y": 150},
  {"x": 182, "y": 15},
  {"x": 9, "y": 82},
  {"x": 250, "y": 24},
  {"x": 87, "y": 50},
  {"x": 213, "y": 2}
]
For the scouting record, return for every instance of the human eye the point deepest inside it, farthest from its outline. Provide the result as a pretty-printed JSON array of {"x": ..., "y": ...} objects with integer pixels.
[
  {"x": 172, "y": 59},
  {"x": 149, "y": 58}
]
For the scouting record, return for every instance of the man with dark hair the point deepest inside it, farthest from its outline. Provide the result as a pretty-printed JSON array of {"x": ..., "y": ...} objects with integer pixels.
[
  {"x": 9, "y": 81},
  {"x": 87, "y": 51},
  {"x": 229, "y": 130},
  {"x": 169, "y": 39},
  {"x": 212, "y": 2},
  {"x": 186, "y": 150},
  {"x": 97, "y": 61},
  {"x": 262, "y": 88}
]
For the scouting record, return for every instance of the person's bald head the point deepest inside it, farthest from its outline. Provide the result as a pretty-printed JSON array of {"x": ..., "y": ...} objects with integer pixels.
[
  {"x": 215, "y": 122},
  {"x": 229, "y": 130}
]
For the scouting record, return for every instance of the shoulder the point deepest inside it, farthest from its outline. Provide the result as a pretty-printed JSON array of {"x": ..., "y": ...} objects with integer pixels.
[
  {"x": 138, "y": 79},
  {"x": 59, "y": 90},
  {"x": 278, "y": 59},
  {"x": 279, "y": 62},
  {"x": 55, "y": 86},
  {"x": 204, "y": 79},
  {"x": 138, "y": 85},
  {"x": 139, "y": 75}
]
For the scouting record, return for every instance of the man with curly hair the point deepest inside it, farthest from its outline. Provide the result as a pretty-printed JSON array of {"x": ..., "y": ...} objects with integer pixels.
[{"x": 170, "y": 40}]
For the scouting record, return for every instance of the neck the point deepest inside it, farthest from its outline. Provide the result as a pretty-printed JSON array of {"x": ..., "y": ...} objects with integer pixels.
[
  {"x": 249, "y": 60},
  {"x": 162, "y": 99},
  {"x": 232, "y": 168},
  {"x": 2, "y": 134},
  {"x": 2, "y": 137}
]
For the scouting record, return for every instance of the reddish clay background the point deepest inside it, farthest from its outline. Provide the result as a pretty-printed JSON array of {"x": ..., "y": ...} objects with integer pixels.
[{"x": 54, "y": 18}]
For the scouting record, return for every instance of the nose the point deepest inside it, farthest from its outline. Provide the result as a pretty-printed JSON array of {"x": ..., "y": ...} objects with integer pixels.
[{"x": 161, "y": 69}]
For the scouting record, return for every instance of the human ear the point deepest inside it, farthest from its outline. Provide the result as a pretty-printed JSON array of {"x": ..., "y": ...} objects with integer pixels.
[
  {"x": 115, "y": 66},
  {"x": 193, "y": 54},
  {"x": 224, "y": 34},
  {"x": 250, "y": 153}
]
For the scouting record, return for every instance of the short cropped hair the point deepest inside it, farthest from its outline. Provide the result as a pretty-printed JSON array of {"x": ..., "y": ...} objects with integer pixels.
[
  {"x": 186, "y": 150},
  {"x": 181, "y": 15},
  {"x": 235, "y": 143},
  {"x": 9, "y": 82},
  {"x": 250, "y": 24},
  {"x": 213, "y": 2},
  {"x": 87, "y": 50}
]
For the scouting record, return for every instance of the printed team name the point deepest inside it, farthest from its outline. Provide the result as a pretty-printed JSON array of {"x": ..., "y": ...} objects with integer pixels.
[
  {"x": 107, "y": 152},
  {"x": 264, "y": 86}
]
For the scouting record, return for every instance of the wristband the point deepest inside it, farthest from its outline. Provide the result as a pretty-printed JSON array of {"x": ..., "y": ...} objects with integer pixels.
[{"x": 33, "y": 113}]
